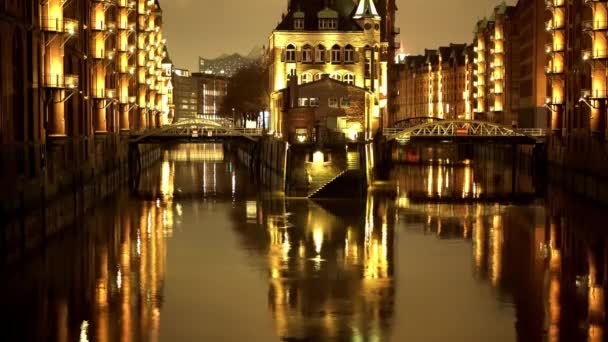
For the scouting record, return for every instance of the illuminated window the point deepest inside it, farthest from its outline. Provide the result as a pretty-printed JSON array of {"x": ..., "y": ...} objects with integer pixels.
[
  {"x": 349, "y": 79},
  {"x": 306, "y": 78},
  {"x": 320, "y": 54},
  {"x": 314, "y": 102},
  {"x": 307, "y": 54},
  {"x": 335, "y": 54},
  {"x": 318, "y": 76},
  {"x": 333, "y": 102},
  {"x": 349, "y": 54},
  {"x": 303, "y": 102},
  {"x": 336, "y": 76},
  {"x": 290, "y": 54}
]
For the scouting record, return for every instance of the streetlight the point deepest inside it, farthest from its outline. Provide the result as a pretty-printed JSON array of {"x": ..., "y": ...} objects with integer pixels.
[{"x": 233, "y": 118}]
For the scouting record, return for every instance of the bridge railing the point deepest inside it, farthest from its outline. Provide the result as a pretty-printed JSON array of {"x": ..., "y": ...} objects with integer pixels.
[
  {"x": 530, "y": 132},
  {"x": 533, "y": 132}
]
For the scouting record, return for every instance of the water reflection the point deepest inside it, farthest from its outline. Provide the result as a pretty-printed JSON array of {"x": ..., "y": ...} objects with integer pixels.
[
  {"x": 330, "y": 274},
  {"x": 195, "y": 245}
]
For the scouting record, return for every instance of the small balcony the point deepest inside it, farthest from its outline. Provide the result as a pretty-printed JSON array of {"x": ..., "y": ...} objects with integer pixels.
[
  {"x": 597, "y": 54},
  {"x": 59, "y": 25},
  {"x": 553, "y": 71},
  {"x": 592, "y": 2},
  {"x": 552, "y": 25},
  {"x": 111, "y": 94},
  {"x": 98, "y": 93},
  {"x": 595, "y": 25},
  {"x": 60, "y": 81},
  {"x": 555, "y": 100},
  {"x": 595, "y": 94},
  {"x": 554, "y": 3},
  {"x": 554, "y": 47}
]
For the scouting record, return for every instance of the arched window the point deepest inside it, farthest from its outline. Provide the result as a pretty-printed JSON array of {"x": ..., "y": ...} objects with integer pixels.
[
  {"x": 349, "y": 79},
  {"x": 307, "y": 54},
  {"x": 336, "y": 76},
  {"x": 290, "y": 54},
  {"x": 335, "y": 54},
  {"x": 320, "y": 55},
  {"x": 318, "y": 76},
  {"x": 306, "y": 77},
  {"x": 349, "y": 54}
]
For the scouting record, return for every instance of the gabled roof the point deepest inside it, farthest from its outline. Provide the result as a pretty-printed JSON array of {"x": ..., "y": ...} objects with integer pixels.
[{"x": 311, "y": 9}]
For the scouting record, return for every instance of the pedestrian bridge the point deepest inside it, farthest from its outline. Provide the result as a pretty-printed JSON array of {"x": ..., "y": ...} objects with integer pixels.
[
  {"x": 195, "y": 130},
  {"x": 464, "y": 131}
]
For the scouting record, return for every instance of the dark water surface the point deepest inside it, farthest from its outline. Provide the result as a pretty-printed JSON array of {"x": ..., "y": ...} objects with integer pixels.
[{"x": 196, "y": 254}]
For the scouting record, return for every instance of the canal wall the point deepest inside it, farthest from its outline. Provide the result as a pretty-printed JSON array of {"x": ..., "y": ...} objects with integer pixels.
[
  {"x": 301, "y": 170},
  {"x": 579, "y": 164},
  {"x": 76, "y": 177}
]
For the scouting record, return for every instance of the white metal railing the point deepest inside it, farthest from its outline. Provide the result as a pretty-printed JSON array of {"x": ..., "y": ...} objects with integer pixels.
[
  {"x": 197, "y": 129},
  {"x": 461, "y": 128},
  {"x": 533, "y": 132}
]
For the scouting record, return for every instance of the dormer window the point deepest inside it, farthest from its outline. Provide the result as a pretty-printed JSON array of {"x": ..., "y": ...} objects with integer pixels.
[
  {"x": 328, "y": 19},
  {"x": 328, "y": 24},
  {"x": 298, "y": 24},
  {"x": 298, "y": 20}
]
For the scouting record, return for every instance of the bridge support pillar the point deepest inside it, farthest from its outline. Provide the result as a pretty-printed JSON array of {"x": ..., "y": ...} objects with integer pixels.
[
  {"x": 597, "y": 122},
  {"x": 556, "y": 118},
  {"x": 152, "y": 122},
  {"x": 100, "y": 122},
  {"x": 143, "y": 119},
  {"x": 124, "y": 118}
]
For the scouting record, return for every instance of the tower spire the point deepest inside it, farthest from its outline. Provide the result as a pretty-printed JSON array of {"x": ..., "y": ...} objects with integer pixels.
[{"x": 366, "y": 9}]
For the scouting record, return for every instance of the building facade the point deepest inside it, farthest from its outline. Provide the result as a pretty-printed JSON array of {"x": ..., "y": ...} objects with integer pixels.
[
  {"x": 212, "y": 90},
  {"x": 76, "y": 77},
  {"x": 499, "y": 78},
  {"x": 198, "y": 95},
  {"x": 437, "y": 84},
  {"x": 316, "y": 110},
  {"x": 339, "y": 38}
]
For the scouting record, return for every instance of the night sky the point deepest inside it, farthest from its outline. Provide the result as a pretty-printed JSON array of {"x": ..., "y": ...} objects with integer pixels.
[{"x": 209, "y": 28}]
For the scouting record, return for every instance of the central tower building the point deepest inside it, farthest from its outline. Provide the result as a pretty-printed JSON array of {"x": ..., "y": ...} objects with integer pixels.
[{"x": 342, "y": 39}]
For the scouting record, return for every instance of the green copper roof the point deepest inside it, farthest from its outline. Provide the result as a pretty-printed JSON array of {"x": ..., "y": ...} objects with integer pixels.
[{"x": 327, "y": 13}]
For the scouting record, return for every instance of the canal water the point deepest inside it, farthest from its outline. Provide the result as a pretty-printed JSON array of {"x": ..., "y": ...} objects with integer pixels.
[{"x": 465, "y": 251}]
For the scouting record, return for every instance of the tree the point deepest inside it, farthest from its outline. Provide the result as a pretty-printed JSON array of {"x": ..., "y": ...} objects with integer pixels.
[{"x": 247, "y": 93}]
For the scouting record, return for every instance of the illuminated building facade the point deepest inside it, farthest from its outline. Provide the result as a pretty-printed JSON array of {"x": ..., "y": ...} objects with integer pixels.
[
  {"x": 499, "y": 78},
  {"x": 77, "y": 76},
  {"x": 184, "y": 94},
  {"x": 212, "y": 90},
  {"x": 342, "y": 107},
  {"x": 437, "y": 84},
  {"x": 337, "y": 38}
]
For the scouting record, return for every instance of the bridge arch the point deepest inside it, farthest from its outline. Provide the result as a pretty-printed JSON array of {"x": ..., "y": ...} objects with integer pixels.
[{"x": 450, "y": 129}]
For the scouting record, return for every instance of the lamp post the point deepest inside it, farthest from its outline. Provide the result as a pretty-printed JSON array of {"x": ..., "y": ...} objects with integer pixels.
[{"x": 233, "y": 118}]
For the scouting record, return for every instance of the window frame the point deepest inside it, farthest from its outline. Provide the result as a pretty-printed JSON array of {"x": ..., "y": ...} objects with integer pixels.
[
  {"x": 290, "y": 51},
  {"x": 336, "y": 51}
]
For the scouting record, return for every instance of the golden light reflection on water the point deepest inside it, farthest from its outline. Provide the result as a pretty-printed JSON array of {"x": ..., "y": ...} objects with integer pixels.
[{"x": 320, "y": 272}]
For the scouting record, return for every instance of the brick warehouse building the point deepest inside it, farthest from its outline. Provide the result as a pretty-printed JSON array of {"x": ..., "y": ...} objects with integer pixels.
[
  {"x": 76, "y": 77},
  {"x": 499, "y": 77}
]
